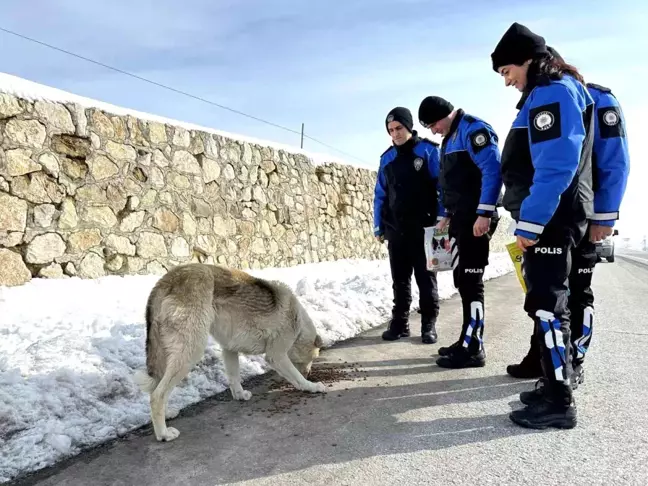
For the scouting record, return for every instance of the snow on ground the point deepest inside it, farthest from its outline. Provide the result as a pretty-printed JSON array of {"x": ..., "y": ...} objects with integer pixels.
[
  {"x": 32, "y": 91},
  {"x": 68, "y": 349}
]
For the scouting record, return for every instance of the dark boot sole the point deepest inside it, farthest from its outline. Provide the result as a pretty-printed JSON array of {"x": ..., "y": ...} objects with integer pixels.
[
  {"x": 392, "y": 337},
  {"x": 453, "y": 365},
  {"x": 560, "y": 423},
  {"x": 429, "y": 339}
]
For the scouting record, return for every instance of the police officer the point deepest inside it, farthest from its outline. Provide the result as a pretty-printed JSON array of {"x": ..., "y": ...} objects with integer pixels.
[
  {"x": 611, "y": 166},
  {"x": 547, "y": 173},
  {"x": 470, "y": 185},
  {"x": 405, "y": 203}
]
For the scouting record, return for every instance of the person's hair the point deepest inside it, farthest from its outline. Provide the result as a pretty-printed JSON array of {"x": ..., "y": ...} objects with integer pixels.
[{"x": 551, "y": 68}]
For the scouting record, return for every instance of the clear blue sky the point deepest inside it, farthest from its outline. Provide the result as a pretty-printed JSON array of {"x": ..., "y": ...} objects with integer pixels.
[{"x": 339, "y": 67}]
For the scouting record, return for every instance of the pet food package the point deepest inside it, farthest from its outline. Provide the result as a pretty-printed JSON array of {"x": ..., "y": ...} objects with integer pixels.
[
  {"x": 516, "y": 256},
  {"x": 438, "y": 250}
]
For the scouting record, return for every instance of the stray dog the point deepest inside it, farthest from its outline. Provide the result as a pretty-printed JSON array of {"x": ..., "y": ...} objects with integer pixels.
[{"x": 243, "y": 314}]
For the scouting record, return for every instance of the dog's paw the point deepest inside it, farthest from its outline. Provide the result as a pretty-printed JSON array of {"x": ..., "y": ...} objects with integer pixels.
[
  {"x": 242, "y": 395},
  {"x": 168, "y": 435},
  {"x": 316, "y": 387}
]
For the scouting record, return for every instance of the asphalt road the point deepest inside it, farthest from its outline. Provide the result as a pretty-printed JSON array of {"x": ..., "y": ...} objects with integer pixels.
[
  {"x": 399, "y": 419},
  {"x": 634, "y": 256}
]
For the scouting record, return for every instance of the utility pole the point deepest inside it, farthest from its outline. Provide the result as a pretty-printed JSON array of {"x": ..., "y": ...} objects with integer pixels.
[{"x": 302, "y": 137}]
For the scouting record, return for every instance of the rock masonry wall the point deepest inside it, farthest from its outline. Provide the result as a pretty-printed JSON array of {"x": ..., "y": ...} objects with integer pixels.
[
  {"x": 84, "y": 192},
  {"x": 87, "y": 193}
]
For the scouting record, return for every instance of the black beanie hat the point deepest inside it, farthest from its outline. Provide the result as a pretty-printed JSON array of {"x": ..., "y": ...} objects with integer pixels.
[
  {"x": 433, "y": 109},
  {"x": 517, "y": 45},
  {"x": 401, "y": 115}
]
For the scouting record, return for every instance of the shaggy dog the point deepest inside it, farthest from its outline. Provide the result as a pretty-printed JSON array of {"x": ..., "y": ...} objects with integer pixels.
[{"x": 242, "y": 313}]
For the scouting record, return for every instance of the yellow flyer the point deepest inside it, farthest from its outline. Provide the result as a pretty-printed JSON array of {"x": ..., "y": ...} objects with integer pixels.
[{"x": 516, "y": 255}]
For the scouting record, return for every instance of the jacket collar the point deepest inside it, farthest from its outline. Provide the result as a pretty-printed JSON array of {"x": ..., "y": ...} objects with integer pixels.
[
  {"x": 409, "y": 145},
  {"x": 455, "y": 124}
]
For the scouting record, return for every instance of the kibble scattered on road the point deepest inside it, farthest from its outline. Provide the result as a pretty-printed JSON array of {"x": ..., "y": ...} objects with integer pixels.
[{"x": 285, "y": 398}]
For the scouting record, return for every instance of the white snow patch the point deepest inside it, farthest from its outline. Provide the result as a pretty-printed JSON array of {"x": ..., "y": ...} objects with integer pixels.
[
  {"x": 32, "y": 91},
  {"x": 69, "y": 348}
]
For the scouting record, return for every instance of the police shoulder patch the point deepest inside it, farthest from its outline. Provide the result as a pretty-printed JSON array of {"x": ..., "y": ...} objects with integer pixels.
[
  {"x": 479, "y": 139},
  {"x": 610, "y": 122},
  {"x": 544, "y": 122}
]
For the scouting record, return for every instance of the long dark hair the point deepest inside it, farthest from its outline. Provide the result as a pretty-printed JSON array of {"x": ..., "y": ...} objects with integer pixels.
[
  {"x": 548, "y": 67},
  {"x": 544, "y": 69}
]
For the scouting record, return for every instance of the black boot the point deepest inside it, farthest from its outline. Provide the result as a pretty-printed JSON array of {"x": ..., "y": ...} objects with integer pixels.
[
  {"x": 535, "y": 395},
  {"x": 446, "y": 350},
  {"x": 406, "y": 330},
  {"x": 463, "y": 358},
  {"x": 428, "y": 330},
  {"x": 546, "y": 412},
  {"x": 397, "y": 329},
  {"x": 530, "y": 366},
  {"x": 578, "y": 377}
]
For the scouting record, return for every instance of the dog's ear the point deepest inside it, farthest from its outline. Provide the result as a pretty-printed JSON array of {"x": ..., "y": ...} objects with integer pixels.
[{"x": 318, "y": 341}]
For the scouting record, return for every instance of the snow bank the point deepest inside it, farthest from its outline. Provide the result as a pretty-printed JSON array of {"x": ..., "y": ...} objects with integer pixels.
[
  {"x": 68, "y": 349},
  {"x": 29, "y": 90}
]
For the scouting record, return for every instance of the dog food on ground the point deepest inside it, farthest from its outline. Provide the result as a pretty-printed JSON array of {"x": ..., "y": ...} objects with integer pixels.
[{"x": 327, "y": 373}]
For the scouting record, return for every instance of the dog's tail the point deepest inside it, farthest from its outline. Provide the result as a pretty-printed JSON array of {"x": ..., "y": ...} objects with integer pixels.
[
  {"x": 142, "y": 377},
  {"x": 146, "y": 382}
]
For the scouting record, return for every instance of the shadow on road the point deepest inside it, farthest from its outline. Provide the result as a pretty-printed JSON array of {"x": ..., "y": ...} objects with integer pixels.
[
  {"x": 345, "y": 426},
  {"x": 406, "y": 404},
  {"x": 223, "y": 441}
]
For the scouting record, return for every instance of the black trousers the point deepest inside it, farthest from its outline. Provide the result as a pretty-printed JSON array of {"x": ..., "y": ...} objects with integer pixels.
[
  {"x": 407, "y": 255},
  {"x": 581, "y": 298},
  {"x": 580, "y": 301},
  {"x": 469, "y": 261},
  {"x": 547, "y": 267}
]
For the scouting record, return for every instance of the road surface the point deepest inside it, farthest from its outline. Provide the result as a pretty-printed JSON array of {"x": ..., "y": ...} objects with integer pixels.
[
  {"x": 634, "y": 256},
  {"x": 403, "y": 420}
]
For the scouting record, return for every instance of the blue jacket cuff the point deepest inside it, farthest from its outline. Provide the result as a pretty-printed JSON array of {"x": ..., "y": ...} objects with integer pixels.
[{"x": 609, "y": 223}]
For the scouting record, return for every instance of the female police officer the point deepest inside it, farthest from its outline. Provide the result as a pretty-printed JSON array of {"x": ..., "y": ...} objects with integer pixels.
[
  {"x": 610, "y": 170},
  {"x": 546, "y": 170}
]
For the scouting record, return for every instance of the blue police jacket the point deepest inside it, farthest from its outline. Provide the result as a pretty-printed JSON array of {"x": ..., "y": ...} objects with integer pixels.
[
  {"x": 406, "y": 198},
  {"x": 546, "y": 160},
  {"x": 610, "y": 159},
  {"x": 470, "y": 167}
]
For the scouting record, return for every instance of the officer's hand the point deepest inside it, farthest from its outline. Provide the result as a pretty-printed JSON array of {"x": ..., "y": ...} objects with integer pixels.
[
  {"x": 443, "y": 224},
  {"x": 598, "y": 232},
  {"x": 522, "y": 242},
  {"x": 380, "y": 238},
  {"x": 481, "y": 226}
]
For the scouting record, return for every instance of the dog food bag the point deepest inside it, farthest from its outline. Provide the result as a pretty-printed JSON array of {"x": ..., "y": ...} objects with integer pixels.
[
  {"x": 438, "y": 251},
  {"x": 516, "y": 256}
]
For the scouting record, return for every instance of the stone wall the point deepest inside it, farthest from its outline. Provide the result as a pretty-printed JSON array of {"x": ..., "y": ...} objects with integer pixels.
[{"x": 88, "y": 193}]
